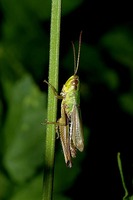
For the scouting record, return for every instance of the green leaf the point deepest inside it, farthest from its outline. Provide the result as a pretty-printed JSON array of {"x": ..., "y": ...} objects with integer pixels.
[
  {"x": 69, "y": 6},
  {"x": 126, "y": 101},
  {"x": 119, "y": 43},
  {"x": 23, "y": 132},
  {"x": 21, "y": 11},
  {"x": 111, "y": 79},
  {"x": 4, "y": 186},
  {"x": 30, "y": 191},
  {"x": 1, "y": 110}
]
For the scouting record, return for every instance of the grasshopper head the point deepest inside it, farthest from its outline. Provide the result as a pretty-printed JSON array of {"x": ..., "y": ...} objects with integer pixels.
[
  {"x": 71, "y": 85},
  {"x": 73, "y": 82}
]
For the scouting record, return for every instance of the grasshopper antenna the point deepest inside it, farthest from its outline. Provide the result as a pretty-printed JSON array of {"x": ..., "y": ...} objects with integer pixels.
[{"x": 76, "y": 64}]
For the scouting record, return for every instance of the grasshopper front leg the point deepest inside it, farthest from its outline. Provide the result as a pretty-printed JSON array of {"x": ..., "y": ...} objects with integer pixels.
[{"x": 54, "y": 90}]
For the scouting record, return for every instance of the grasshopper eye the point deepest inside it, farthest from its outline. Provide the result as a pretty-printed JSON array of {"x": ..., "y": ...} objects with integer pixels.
[{"x": 75, "y": 83}]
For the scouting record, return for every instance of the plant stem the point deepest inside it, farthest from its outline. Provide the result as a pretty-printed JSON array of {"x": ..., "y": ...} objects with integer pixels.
[
  {"x": 122, "y": 177},
  {"x": 52, "y": 101}
]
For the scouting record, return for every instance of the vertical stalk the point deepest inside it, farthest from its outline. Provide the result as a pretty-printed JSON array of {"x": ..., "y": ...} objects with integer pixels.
[
  {"x": 52, "y": 101},
  {"x": 122, "y": 177}
]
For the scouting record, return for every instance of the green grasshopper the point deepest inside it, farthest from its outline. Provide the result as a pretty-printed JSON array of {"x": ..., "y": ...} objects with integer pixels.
[{"x": 69, "y": 126}]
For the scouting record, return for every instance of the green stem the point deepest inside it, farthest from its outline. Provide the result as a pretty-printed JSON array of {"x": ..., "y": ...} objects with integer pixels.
[
  {"x": 52, "y": 101},
  {"x": 122, "y": 177}
]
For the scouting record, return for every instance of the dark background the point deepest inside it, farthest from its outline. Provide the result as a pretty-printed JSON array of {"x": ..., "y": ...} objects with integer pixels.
[{"x": 106, "y": 75}]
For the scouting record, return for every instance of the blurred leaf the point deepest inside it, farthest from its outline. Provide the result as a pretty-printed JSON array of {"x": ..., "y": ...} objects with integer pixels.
[
  {"x": 10, "y": 67},
  {"x": 1, "y": 110},
  {"x": 68, "y": 5},
  {"x": 60, "y": 197},
  {"x": 31, "y": 191},
  {"x": 126, "y": 101},
  {"x": 29, "y": 49},
  {"x": 4, "y": 186},
  {"x": 23, "y": 38},
  {"x": 128, "y": 198},
  {"x": 111, "y": 79},
  {"x": 22, "y": 11},
  {"x": 119, "y": 43},
  {"x": 23, "y": 131},
  {"x": 42, "y": 8}
]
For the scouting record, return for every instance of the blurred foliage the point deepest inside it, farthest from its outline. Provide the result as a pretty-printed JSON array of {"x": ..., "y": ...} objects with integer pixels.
[
  {"x": 24, "y": 51},
  {"x": 22, "y": 134}
]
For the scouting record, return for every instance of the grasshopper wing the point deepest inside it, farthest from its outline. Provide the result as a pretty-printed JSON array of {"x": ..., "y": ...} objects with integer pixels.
[
  {"x": 63, "y": 127},
  {"x": 76, "y": 130}
]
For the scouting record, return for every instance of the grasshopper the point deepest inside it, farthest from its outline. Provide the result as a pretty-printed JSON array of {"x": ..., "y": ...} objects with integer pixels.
[{"x": 69, "y": 126}]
